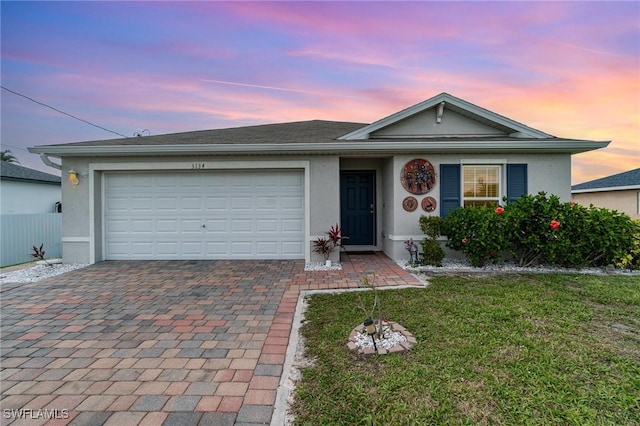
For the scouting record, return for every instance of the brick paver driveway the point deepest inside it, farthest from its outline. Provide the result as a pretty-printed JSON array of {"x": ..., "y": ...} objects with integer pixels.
[{"x": 158, "y": 342}]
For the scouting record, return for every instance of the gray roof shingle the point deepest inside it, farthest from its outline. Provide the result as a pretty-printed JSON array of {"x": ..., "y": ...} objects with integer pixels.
[
  {"x": 313, "y": 131},
  {"x": 11, "y": 171},
  {"x": 629, "y": 178}
]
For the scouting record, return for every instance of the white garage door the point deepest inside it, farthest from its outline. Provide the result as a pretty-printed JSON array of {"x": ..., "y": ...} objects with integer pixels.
[{"x": 204, "y": 215}]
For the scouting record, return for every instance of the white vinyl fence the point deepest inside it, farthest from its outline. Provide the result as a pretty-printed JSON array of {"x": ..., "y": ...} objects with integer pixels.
[{"x": 20, "y": 232}]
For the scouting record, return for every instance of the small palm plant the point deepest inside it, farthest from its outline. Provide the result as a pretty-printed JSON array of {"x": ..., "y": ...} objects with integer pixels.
[
  {"x": 327, "y": 245},
  {"x": 38, "y": 253}
]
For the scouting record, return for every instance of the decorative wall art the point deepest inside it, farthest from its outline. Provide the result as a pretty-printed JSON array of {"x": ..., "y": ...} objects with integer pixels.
[
  {"x": 410, "y": 204},
  {"x": 418, "y": 176},
  {"x": 429, "y": 204}
]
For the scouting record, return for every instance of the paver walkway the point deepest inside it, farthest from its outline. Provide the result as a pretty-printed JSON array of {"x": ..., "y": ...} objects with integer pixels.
[{"x": 158, "y": 342}]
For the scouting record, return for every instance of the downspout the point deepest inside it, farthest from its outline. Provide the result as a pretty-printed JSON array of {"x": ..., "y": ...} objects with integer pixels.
[{"x": 46, "y": 160}]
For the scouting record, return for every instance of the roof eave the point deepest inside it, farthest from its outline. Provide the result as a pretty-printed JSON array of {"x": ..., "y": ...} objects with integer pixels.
[
  {"x": 606, "y": 189},
  {"x": 390, "y": 147}
]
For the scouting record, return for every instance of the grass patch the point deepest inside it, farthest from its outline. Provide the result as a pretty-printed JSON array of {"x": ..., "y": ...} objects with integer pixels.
[{"x": 519, "y": 349}]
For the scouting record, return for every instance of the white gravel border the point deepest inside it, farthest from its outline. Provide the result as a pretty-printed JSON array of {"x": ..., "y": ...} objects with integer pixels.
[
  {"x": 317, "y": 266},
  {"x": 462, "y": 266},
  {"x": 38, "y": 272}
]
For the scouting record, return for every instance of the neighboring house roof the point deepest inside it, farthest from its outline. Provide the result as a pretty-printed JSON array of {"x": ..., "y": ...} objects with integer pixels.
[
  {"x": 11, "y": 171},
  {"x": 500, "y": 134},
  {"x": 618, "y": 182}
]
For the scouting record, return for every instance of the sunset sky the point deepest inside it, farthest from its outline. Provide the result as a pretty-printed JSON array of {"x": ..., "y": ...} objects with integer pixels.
[{"x": 571, "y": 69}]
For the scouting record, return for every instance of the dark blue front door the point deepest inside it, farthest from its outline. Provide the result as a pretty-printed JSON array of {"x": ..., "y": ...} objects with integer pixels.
[{"x": 357, "y": 202}]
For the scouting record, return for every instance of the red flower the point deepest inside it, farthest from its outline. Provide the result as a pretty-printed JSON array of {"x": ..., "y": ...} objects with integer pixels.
[
  {"x": 465, "y": 241},
  {"x": 499, "y": 210},
  {"x": 573, "y": 203},
  {"x": 554, "y": 224}
]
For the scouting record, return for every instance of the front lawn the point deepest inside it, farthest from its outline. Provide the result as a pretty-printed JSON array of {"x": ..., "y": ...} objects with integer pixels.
[{"x": 504, "y": 350}]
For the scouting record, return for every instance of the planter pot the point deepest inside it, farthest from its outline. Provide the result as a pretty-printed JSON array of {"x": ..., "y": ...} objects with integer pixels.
[{"x": 327, "y": 262}]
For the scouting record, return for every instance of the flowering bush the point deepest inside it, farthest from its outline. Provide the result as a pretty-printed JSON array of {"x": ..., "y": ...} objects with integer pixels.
[
  {"x": 591, "y": 236},
  {"x": 476, "y": 232},
  {"x": 531, "y": 223},
  {"x": 539, "y": 229}
]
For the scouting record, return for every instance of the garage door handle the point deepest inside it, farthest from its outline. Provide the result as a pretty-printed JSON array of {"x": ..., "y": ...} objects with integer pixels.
[{"x": 204, "y": 226}]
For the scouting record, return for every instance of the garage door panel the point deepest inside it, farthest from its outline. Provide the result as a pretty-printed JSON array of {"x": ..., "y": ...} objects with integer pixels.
[
  {"x": 191, "y": 226},
  {"x": 290, "y": 248},
  {"x": 216, "y": 203},
  {"x": 267, "y": 225},
  {"x": 167, "y": 249},
  {"x": 204, "y": 215},
  {"x": 191, "y": 249},
  {"x": 166, "y": 225},
  {"x": 240, "y": 248},
  {"x": 141, "y": 204},
  {"x": 118, "y": 204},
  {"x": 141, "y": 226},
  {"x": 292, "y": 203},
  {"x": 142, "y": 248},
  {"x": 216, "y": 225},
  {"x": 114, "y": 226},
  {"x": 142, "y": 182},
  {"x": 267, "y": 203},
  {"x": 216, "y": 250},
  {"x": 292, "y": 225},
  {"x": 241, "y": 203},
  {"x": 191, "y": 203}
]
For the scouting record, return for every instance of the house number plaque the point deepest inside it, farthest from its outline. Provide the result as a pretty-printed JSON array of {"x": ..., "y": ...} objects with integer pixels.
[
  {"x": 418, "y": 176},
  {"x": 197, "y": 166}
]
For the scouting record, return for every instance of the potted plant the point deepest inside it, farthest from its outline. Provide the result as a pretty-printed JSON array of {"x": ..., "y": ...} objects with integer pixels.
[{"x": 327, "y": 245}]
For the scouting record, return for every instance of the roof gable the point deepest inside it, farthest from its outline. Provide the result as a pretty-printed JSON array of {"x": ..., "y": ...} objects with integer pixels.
[{"x": 444, "y": 115}]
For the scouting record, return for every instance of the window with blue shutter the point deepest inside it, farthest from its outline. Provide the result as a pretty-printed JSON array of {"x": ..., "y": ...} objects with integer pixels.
[
  {"x": 516, "y": 181},
  {"x": 449, "y": 188}
]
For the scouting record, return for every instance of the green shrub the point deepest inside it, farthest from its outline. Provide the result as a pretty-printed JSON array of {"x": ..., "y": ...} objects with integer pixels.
[
  {"x": 477, "y": 232},
  {"x": 432, "y": 253},
  {"x": 591, "y": 236},
  {"x": 631, "y": 260},
  {"x": 539, "y": 229},
  {"x": 529, "y": 230}
]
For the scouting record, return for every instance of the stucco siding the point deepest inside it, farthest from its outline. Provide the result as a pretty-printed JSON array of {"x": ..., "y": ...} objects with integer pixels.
[
  {"x": 625, "y": 201},
  {"x": 324, "y": 200},
  {"x": 546, "y": 172}
]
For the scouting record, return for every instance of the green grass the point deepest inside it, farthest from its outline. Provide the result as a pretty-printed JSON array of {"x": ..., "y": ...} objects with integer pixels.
[{"x": 501, "y": 350}]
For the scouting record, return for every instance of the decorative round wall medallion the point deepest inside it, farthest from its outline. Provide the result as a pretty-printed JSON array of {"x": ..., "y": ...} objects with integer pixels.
[
  {"x": 429, "y": 204},
  {"x": 410, "y": 204},
  {"x": 418, "y": 176}
]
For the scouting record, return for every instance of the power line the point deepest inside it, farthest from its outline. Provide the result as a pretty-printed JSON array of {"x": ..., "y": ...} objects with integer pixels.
[{"x": 62, "y": 112}]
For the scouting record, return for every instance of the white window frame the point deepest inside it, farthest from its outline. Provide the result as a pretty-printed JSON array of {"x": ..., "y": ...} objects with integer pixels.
[{"x": 498, "y": 164}]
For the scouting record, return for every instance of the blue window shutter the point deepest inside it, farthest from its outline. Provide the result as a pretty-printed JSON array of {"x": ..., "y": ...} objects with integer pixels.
[
  {"x": 516, "y": 181},
  {"x": 449, "y": 188}
]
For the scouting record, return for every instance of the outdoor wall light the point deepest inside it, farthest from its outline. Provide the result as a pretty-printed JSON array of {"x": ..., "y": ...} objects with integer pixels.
[{"x": 73, "y": 177}]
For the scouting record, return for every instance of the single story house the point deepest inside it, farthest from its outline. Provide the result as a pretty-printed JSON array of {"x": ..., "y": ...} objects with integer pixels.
[
  {"x": 269, "y": 191},
  {"x": 619, "y": 192},
  {"x": 27, "y": 191}
]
